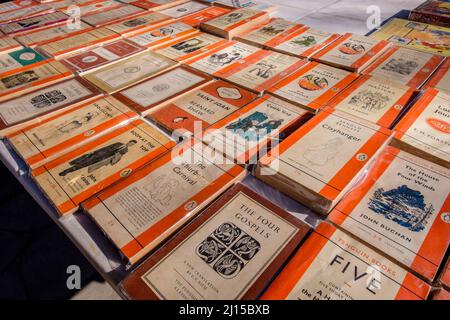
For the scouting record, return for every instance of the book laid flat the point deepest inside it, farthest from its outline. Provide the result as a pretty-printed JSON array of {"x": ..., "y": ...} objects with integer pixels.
[
  {"x": 15, "y": 5},
  {"x": 246, "y": 135},
  {"x": 201, "y": 108},
  {"x": 256, "y": 5},
  {"x": 138, "y": 23},
  {"x": 190, "y": 46},
  {"x": 444, "y": 278},
  {"x": 78, "y": 175},
  {"x": 8, "y": 44},
  {"x": 195, "y": 19},
  {"x": 305, "y": 42},
  {"x": 313, "y": 85},
  {"x": 440, "y": 80},
  {"x": 79, "y": 41},
  {"x": 217, "y": 59},
  {"x": 424, "y": 130},
  {"x": 374, "y": 99},
  {"x": 352, "y": 52},
  {"x": 22, "y": 59},
  {"x": 415, "y": 35},
  {"x": 150, "y": 95},
  {"x": 37, "y": 22},
  {"x": 24, "y": 13},
  {"x": 63, "y": 5},
  {"x": 166, "y": 193},
  {"x": 401, "y": 208},
  {"x": 46, "y": 140},
  {"x": 89, "y": 7},
  {"x": 21, "y": 112},
  {"x": 184, "y": 9},
  {"x": 405, "y": 66},
  {"x": 155, "y": 5},
  {"x": 121, "y": 74},
  {"x": 261, "y": 71},
  {"x": 39, "y": 37},
  {"x": 235, "y": 23},
  {"x": 232, "y": 250},
  {"x": 321, "y": 161},
  {"x": 331, "y": 265},
  {"x": 160, "y": 35},
  {"x": 433, "y": 12},
  {"x": 270, "y": 33},
  {"x": 87, "y": 61},
  {"x": 14, "y": 84},
  {"x": 102, "y": 18}
]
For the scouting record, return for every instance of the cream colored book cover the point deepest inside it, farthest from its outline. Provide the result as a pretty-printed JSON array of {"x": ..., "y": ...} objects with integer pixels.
[
  {"x": 138, "y": 23},
  {"x": 233, "y": 18},
  {"x": 108, "y": 16},
  {"x": 162, "y": 34},
  {"x": 8, "y": 44},
  {"x": 184, "y": 9}
]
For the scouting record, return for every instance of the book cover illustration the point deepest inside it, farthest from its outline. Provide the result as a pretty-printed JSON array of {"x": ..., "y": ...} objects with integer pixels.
[
  {"x": 440, "y": 80},
  {"x": 138, "y": 23},
  {"x": 433, "y": 12}
]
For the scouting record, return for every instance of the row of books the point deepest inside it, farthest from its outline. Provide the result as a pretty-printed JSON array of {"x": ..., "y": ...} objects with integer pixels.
[{"x": 362, "y": 125}]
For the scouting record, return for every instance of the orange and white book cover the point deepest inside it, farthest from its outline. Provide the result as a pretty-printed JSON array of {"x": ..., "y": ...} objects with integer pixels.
[
  {"x": 168, "y": 193},
  {"x": 191, "y": 46},
  {"x": 155, "y": 5},
  {"x": 331, "y": 265},
  {"x": 8, "y": 44},
  {"x": 425, "y": 128},
  {"x": 195, "y": 19},
  {"x": 304, "y": 42},
  {"x": 21, "y": 60},
  {"x": 17, "y": 113},
  {"x": 184, "y": 9},
  {"x": 352, "y": 52},
  {"x": 16, "y": 5},
  {"x": 219, "y": 58},
  {"x": 25, "y": 12},
  {"x": 78, "y": 175},
  {"x": 271, "y": 33},
  {"x": 401, "y": 208},
  {"x": 313, "y": 85},
  {"x": 445, "y": 276},
  {"x": 202, "y": 108},
  {"x": 246, "y": 135},
  {"x": 102, "y": 18},
  {"x": 440, "y": 80},
  {"x": 405, "y": 66},
  {"x": 46, "y": 140},
  {"x": 261, "y": 71},
  {"x": 34, "y": 23},
  {"x": 138, "y": 23},
  {"x": 86, "y": 7},
  {"x": 321, "y": 160},
  {"x": 147, "y": 96},
  {"x": 374, "y": 99}
]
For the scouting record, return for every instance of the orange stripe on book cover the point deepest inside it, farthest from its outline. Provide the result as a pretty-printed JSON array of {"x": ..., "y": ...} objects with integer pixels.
[
  {"x": 280, "y": 76},
  {"x": 332, "y": 46},
  {"x": 240, "y": 23},
  {"x": 370, "y": 54}
]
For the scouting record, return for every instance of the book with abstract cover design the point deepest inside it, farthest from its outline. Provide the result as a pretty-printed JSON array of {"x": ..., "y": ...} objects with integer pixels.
[
  {"x": 78, "y": 175},
  {"x": 352, "y": 52},
  {"x": 48, "y": 139},
  {"x": 401, "y": 208},
  {"x": 313, "y": 85},
  {"x": 319, "y": 163},
  {"x": 374, "y": 99},
  {"x": 167, "y": 193},
  {"x": 405, "y": 66},
  {"x": 332, "y": 265},
  {"x": 150, "y": 95},
  {"x": 424, "y": 130},
  {"x": 433, "y": 12},
  {"x": 440, "y": 80},
  {"x": 110, "y": 16},
  {"x": 237, "y": 246},
  {"x": 139, "y": 23},
  {"x": 205, "y": 15}
]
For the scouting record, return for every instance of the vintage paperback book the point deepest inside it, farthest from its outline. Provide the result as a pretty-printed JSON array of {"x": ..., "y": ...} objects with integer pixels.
[
  {"x": 63, "y": 5},
  {"x": 124, "y": 73},
  {"x": 424, "y": 130},
  {"x": 191, "y": 46},
  {"x": 247, "y": 134},
  {"x": 201, "y": 108},
  {"x": 155, "y": 5},
  {"x": 229, "y": 252},
  {"x": 401, "y": 208},
  {"x": 89, "y": 60},
  {"x": 80, "y": 174},
  {"x": 195, "y": 19},
  {"x": 156, "y": 37},
  {"x": 405, "y": 66},
  {"x": 46, "y": 140},
  {"x": 261, "y": 71},
  {"x": 16, "y": 5},
  {"x": 166, "y": 194},
  {"x": 235, "y": 23},
  {"x": 81, "y": 41},
  {"x": 332, "y": 265},
  {"x": 38, "y": 22},
  {"x": 20, "y": 60},
  {"x": 233, "y": 4},
  {"x": 88, "y": 7},
  {"x": 24, "y": 13},
  {"x": 102, "y": 18},
  {"x": 184, "y": 9},
  {"x": 304, "y": 43},
  {"x": 139, "y": 23},
  {"x": 14, "y": 84},
  {"x": 374, "y": 99},
  {"x": 319, "y": 163},
  {"x": 217, "y": 59},
  {"x": 433, "y": 12},
  {"x": 352, "y": 52},
  {"x": 152, "y": 94},
  {"x": 440, "y": 80},
  {"x": 313, "y": 85},
  {"x": 271, "y": 33},
  {"x": 444, "y": 278},
  {"x": 415, "y": 35},
  {"x": 8, "y": 44}
]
